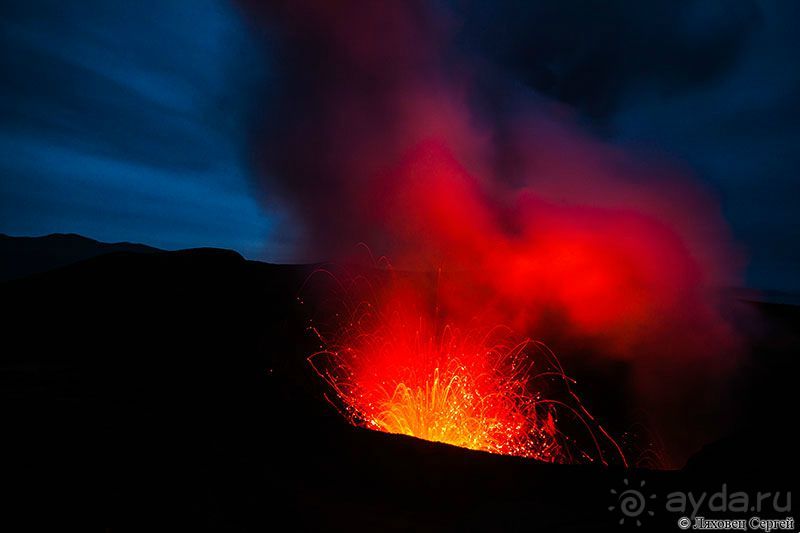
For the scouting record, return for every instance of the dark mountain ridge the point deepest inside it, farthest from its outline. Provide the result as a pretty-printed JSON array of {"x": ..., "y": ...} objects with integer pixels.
[{"x": 24, "y": 256}]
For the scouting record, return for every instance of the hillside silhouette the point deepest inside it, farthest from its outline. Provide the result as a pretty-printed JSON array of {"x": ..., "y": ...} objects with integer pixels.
[{"x": 24, "y": 256}]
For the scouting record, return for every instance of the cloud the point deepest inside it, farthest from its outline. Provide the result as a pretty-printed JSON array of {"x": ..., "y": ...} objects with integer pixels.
[{"x": 131, "y": 123}]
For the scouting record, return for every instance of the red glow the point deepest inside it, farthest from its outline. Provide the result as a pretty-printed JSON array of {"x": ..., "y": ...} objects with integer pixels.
[{"x": 619, "y": 275}]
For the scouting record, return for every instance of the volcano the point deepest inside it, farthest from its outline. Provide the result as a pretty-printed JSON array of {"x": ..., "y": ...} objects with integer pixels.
[{"x": 173, "y": 388}]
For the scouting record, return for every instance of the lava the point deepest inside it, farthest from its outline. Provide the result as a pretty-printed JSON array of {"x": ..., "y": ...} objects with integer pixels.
[{"x": 393, "y": 367}]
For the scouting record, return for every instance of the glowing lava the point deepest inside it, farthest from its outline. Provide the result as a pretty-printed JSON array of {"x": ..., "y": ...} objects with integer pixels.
[{"x": 390, "y": 368}]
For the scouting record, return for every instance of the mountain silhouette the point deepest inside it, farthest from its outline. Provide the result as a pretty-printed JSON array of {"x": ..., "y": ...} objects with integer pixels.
[{"x": 24, "y": 256}]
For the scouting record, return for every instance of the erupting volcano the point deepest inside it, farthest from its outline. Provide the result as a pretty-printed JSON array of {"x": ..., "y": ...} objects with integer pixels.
[
  {"x": 399, "y": 265},
  {"x": 385, "y": 132}
]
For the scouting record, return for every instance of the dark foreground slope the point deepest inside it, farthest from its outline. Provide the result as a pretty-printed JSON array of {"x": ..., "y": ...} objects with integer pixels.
[{"x": 169, "y": 390}]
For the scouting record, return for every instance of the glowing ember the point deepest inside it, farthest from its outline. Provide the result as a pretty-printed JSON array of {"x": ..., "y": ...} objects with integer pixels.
[{"x": 390, "y": 369}]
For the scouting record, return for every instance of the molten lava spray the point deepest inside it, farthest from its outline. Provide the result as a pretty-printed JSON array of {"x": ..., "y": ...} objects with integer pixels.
[
  {"x": 391, "y": 367},
  {"x": 386, "y": 132}
]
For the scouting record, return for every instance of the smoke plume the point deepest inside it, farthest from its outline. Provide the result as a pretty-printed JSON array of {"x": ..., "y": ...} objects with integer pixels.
[{"x": 385, "y": 132}]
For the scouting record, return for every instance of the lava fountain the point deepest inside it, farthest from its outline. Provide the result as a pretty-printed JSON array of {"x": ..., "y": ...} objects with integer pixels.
[{"x": 391, "y": 366}]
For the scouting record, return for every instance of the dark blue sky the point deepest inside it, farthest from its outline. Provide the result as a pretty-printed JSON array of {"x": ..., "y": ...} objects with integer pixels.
[
  {"x": 132, "y": 120},
  {"x": 129, "y": 121}
]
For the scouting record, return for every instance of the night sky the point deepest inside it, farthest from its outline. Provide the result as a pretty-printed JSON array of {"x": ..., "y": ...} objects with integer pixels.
[{"x": 135, "y": 121}]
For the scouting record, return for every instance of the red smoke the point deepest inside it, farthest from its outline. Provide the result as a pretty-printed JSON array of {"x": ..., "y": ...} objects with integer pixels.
[
  {"x": 621, "y": 274},
  {"x": 386, "y": 133}
]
